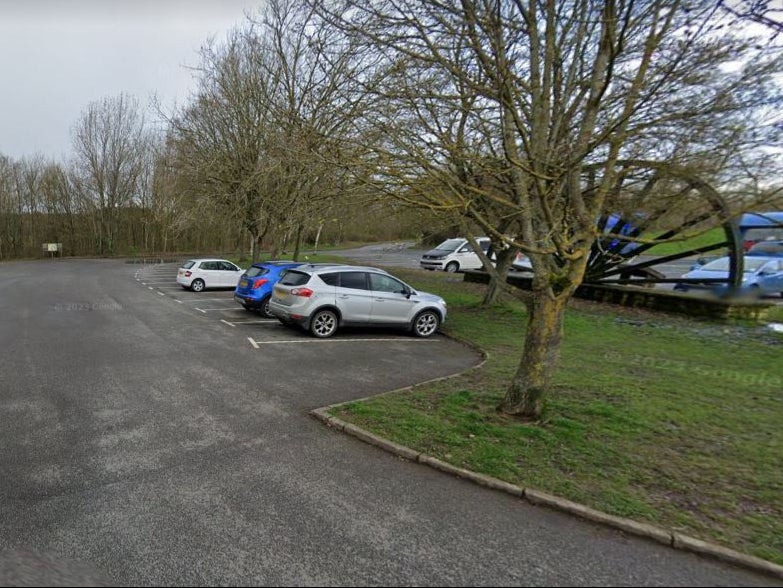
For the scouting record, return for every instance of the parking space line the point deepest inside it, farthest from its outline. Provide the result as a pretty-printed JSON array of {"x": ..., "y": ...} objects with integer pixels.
[
  {"x": 180, "y": 301},
  {"x": 150, "y": 287},
  {"x": 228, "y": 323},
  {"x": 253, "y": 343},
  {"x": 257, "y": 343},
  {"x": 161, "y": 293},
  {"x": 207, "y": 299},
  {"x": 258, "y": 322},
  {"x": 204, "y": 311},
  {"x": 223, "y": 309}
]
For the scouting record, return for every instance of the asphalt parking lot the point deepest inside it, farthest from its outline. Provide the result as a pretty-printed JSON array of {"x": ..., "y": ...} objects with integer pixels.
[
  {"x": 219, "y": 305},
  {"x": 152, "y": 436}
]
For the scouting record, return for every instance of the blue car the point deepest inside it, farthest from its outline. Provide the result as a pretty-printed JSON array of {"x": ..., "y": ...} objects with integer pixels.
[
  {"x": 255, "y": 286},
  {"x": 762, "y": 275}
]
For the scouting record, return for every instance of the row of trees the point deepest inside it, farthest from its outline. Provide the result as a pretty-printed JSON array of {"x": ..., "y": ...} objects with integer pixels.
[{"x": 531, "y": 120}]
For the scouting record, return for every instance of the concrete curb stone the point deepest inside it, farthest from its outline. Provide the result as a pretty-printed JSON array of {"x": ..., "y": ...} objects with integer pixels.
[{"x": 536, "y": 497}]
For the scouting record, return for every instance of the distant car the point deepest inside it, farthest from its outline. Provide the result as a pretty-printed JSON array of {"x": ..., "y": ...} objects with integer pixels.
[
  {"x": 767, "y": 249},
  {"x": 255, "y": 286},
  {"x": 198, "y": 274},
  {"x": 522, "y": 263},
  {"x": 454, "y": 255},
  {"x": 321, "y": 298},
  {"x": 762, "y": 275}
]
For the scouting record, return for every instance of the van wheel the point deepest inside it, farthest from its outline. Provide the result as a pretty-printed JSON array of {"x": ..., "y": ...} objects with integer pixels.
[{"x": 452, "y": 267}]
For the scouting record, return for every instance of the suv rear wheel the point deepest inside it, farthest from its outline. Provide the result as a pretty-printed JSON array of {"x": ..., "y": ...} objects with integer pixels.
[
  {"x": 324, "y": 324},
  {"x": 426, "y": 323}
]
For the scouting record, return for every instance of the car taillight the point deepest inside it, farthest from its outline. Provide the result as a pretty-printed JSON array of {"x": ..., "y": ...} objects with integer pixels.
[
  {"x": 259, "y": 283},
  {"x": 188, "y": 274},
  {"x": 305, "y": 292}
]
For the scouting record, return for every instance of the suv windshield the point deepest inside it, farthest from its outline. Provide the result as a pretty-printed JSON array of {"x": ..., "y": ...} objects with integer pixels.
[{"x": 294, "y": 278}]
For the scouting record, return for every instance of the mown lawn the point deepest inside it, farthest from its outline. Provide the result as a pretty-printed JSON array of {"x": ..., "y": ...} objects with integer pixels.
[{"x": 654, "y": 417}]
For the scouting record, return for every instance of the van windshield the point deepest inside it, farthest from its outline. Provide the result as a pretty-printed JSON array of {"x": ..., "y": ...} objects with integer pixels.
[{"x": 450, "y": 245}]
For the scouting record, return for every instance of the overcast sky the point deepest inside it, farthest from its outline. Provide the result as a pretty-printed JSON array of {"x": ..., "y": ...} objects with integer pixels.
[{"x": 57, "y": 56}]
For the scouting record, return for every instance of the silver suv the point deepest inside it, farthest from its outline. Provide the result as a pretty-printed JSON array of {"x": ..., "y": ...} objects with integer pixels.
[{"x": 321, "y": 298}]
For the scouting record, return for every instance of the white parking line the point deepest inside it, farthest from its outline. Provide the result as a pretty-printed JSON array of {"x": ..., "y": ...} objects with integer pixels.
[
  {"x": 256, "y": 343},
  {"x": 223, "y": 309},
  {"x": 253, "y": 343},
  {"x": 258, "y": 322},
  {"x": 208, "y": 299},
  {"x": 161, "y": 293},
  {"x": 228, "y": 323},
  {"x": 180, "y": 301},
  {"x": 150, "y": 287}
]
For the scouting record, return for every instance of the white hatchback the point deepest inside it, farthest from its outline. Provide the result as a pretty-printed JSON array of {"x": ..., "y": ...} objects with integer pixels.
[{"x": 198, "y": 274}]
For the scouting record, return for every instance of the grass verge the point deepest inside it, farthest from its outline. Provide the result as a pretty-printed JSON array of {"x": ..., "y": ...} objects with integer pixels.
[{"x": 660, "y": 419}]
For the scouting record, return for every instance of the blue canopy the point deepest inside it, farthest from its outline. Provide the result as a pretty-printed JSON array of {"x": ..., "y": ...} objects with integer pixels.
[{"x": 760, "y": 220}]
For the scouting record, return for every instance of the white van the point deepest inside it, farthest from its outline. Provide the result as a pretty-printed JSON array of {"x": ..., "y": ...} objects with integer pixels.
[{"x": 454, "y": 255}]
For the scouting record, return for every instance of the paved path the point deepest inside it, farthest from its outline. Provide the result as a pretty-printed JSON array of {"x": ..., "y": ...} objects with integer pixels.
[{"x": 144, "y": 442}]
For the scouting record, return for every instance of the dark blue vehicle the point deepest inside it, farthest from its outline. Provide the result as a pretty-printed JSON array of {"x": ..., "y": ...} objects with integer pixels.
[{"x": 255, "y": 286}]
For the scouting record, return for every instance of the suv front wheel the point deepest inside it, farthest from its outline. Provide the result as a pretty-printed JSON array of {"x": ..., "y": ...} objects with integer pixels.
[
  {"x": 324, "y": 324},
  {"x": 426, "y": 323}
]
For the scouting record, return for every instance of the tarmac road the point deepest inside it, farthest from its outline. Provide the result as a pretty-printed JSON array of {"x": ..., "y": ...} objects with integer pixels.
[{"x": 151, "y": 436}]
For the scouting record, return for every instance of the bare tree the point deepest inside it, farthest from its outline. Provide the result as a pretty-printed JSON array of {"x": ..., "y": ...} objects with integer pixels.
[
  {"x": 537, "y": 119},
  {"x": 109, "y": 146}
]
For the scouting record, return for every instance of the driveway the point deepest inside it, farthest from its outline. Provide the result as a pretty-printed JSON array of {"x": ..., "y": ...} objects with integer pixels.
[{"x": 150, "y": 436}]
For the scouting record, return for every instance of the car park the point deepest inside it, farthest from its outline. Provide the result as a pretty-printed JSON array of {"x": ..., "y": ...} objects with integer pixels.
[
  {"x": 200, "y": 274},
  {"x": 454, "y": 255},
  {"x": 255, "y": 286},
  {"x": 323, "y": 298},
  {"x": 761, "y": 275}
]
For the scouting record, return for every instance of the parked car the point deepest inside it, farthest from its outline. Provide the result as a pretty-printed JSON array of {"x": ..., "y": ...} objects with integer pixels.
[
  {"x": 321, "y": 298},
  {"x": 756, "y": 227},
  {"x": 767, "y": 249},
  {"x": 762, "y": 275},
  {"x": 454, "y": 255},
  {"x": 198, "y": 274},
  {"x": 522, "y": 263},
  {"x": 255, "y": 286}
]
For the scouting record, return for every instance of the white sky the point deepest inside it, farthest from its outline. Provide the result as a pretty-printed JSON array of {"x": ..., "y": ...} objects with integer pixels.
[{"x": 57, "y": 56}]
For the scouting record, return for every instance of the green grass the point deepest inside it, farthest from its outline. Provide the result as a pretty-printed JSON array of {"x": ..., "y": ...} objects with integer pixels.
[
  {"x": 653, "y": 417},
  {"x": 710, "y": 237}
]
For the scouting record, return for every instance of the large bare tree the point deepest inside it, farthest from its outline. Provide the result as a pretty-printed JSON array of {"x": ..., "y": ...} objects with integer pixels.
[
  {"x": 536, "y": 119},
  {"x": 109, "y": 143}
]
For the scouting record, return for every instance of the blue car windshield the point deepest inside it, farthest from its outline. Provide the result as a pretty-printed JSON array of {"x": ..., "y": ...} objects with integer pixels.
[
  {"x": 722, "y": 265},
  {"x": 254, "y": 271}
]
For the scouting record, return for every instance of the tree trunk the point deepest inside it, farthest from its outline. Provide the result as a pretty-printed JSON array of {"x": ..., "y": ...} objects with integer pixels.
[
  {"x": 505, "y": 258},
  {"x": 525, "y": 395},
  {"x": 298, "y": 240}
]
